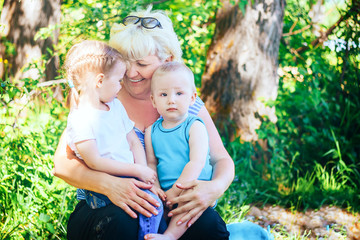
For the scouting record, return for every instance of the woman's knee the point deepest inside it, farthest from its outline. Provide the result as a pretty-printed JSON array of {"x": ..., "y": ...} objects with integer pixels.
[
  {"x": 109, "y": 222},
  {"x": 209, "y": 226}
]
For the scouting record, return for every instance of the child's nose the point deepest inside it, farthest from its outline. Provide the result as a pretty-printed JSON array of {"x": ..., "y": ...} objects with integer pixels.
[{"x": 171, "y": 98}]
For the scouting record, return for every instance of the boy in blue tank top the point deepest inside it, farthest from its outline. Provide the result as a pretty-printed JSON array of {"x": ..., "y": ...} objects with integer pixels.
[{"x": 177, "y": 145}]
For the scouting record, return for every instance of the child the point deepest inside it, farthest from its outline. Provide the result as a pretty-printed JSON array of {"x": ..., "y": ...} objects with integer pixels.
[
  {"x": 177, "y": 144},
  {"x": 99, "y": 130}
]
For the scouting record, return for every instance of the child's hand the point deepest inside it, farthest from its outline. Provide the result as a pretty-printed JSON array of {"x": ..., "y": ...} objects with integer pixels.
[
  {"x": 159, "y": 192},
  {"x": 146, "y": 174}
]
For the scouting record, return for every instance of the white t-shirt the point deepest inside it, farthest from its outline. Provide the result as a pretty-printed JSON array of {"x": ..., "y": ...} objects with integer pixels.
[{"x": 108, "y": 128}]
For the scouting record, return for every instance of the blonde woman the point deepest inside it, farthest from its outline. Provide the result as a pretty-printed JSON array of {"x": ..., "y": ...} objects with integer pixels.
[{"x": 147, "y": 40}]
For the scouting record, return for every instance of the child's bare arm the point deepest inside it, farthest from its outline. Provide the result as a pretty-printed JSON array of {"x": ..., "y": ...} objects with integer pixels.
[
  {"x": 136, "y": 148},
  {"x": 198, "y": 144},
  {"x": 90, "y": 154}
]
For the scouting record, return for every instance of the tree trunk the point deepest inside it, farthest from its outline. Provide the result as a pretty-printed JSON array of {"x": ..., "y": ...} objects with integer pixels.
[
  {"x": 241, "y": 68},
  {"x": 21, "y": 20}
]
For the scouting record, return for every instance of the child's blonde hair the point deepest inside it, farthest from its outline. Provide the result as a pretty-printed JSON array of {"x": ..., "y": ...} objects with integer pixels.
[
  {"x": 174, "y": 67},
  {"x": 87, "y": 57},
  {"x": 135, "y": 42}
]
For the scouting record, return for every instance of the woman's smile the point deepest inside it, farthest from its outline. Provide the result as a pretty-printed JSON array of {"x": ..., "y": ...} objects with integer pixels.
[{"x": 136, "y": 81}]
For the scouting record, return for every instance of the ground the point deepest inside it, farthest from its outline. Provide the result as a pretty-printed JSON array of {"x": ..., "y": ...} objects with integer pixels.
[{"x": 325, "y": 223}]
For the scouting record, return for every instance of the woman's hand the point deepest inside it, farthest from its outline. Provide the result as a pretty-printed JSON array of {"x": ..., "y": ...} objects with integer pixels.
[
  {"x": 126, "y": 194},
  {"x": 195, "y": 198},
  {"x": 171, "y": 194}
]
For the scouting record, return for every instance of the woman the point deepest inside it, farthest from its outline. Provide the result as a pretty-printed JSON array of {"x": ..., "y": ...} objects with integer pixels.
[{"x": 147, "y": 40}]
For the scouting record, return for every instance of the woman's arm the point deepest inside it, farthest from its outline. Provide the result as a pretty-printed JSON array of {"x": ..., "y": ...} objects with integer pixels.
[
  {"x": 124, "y": 192},
  {"x": 199, "y": 195}
]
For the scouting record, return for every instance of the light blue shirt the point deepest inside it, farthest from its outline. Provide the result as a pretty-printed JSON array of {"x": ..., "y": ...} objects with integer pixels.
[{"x": 171, "y": 149}]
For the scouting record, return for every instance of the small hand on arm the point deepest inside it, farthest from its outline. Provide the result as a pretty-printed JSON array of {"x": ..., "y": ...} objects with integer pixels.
[{"x": 123, "y": 192}]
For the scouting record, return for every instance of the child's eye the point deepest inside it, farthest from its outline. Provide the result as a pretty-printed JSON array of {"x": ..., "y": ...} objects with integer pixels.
[
  {"x": 163, "y": 94},
  {"x": 179, "y": 93}
]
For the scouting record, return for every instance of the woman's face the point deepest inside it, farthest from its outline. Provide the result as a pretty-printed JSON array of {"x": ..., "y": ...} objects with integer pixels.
[{"x": 138, "y": 76}]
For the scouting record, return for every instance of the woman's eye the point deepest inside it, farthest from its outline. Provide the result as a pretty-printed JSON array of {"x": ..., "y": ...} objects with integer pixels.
[{"x": 141, "y": 64}]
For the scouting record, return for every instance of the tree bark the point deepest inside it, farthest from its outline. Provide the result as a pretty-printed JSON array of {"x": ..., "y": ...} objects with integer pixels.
[
  {"x": 21, "y": 20},
  {"x": 241, "y": 68}
]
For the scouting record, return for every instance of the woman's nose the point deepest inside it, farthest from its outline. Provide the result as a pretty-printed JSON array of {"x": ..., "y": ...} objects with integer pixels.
[{"x": 131, "y": 72}]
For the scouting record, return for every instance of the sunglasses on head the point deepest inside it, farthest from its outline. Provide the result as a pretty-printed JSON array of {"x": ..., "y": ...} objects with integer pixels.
[{"x": 146, "y": 22}]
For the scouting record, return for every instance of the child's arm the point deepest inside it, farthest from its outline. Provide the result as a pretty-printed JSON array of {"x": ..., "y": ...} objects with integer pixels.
[
  {"x": 152, "y": 162},
  {"x": 198, "y": 144},
  {"x": 90, "y": 154},
  {"x": 136, "y": 148}
]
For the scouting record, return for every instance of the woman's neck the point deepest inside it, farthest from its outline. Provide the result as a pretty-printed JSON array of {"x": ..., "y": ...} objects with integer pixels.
[{"x": 139, "y": 109}]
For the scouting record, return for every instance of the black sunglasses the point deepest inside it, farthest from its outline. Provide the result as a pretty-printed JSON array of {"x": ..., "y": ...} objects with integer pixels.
[{"x": 146, "y": 22}]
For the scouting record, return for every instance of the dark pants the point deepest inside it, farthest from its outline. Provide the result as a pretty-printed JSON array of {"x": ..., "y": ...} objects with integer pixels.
[
  {"x": 111, "y": 222},
  {"x": 209, "y": 226}
]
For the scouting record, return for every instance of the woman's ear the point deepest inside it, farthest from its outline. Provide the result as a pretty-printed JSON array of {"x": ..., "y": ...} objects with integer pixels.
[
  {"x": 193, "y": 98},
  {"x": 169, "y": 59},
  {"x": 99, "y": 80}
]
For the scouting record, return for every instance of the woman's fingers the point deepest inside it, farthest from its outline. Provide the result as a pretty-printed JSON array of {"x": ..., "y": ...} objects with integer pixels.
[
  {"x": 193, "y": 218},
  {"x": 128, "y": 210},
  {"x": 182, "y": 209},
  {"x": 187, "y": 185},
  {"x": 129, "y": 197},
  {"x": 147, "y": 200}
]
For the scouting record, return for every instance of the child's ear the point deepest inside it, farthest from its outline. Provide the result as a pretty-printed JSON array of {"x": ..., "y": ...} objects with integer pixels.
[
  {"x": 99, "y": 80},
  {"x": 152, "y": 100}
]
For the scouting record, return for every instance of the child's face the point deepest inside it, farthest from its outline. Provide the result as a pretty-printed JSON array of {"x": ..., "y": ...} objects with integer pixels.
[
  {"x": 110, "y": 85},
  {"x": 172, "y": 95}
]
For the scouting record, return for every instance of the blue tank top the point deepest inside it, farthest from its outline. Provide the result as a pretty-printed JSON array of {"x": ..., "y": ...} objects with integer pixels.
[{"x": 171, "y": 148}]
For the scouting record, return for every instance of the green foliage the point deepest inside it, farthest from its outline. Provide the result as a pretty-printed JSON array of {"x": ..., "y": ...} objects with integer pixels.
[
  {"x": 33, "y": 204},
  {"x": 308, "y": 158},
  {"x": 193, "y": 22}
]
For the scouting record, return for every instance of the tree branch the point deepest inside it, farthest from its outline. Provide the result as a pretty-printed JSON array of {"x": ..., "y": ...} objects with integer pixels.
[
  {"x": 155, "y": 2},
  {"x": 296, "y": 32},
  {"x": 323, "y": 36}
]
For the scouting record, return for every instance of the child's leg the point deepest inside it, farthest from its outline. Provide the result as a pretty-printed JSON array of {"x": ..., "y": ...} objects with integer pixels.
[
  {"x": 173, "y": 231},
  {"x": 150, "y": 224}
]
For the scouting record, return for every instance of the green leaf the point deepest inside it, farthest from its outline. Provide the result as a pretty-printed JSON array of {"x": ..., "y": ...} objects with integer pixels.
[{"x": 44, "y": 217}]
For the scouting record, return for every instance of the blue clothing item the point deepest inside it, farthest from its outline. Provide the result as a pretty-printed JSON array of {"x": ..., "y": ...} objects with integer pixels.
[
  {"x": 171, "y": 149},
  {"x": 146, "y": 224},
  {"x": 247, "y": 231}
]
